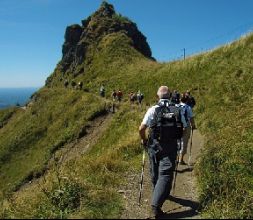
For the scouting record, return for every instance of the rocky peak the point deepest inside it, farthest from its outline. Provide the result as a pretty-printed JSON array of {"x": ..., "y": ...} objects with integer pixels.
[
  {"x": 78, "y": 38},
  {"x": 106, "y": 10}
]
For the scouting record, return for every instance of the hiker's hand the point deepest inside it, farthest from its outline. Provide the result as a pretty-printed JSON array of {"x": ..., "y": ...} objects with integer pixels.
[{"x": 144, "y": 143}]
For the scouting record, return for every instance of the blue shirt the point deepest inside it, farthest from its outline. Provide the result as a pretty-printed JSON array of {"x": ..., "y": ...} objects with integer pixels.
[{"x": 186, "y": 110}]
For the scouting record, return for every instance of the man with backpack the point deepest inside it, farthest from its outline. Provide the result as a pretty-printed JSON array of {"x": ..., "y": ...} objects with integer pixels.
[{"x": 165, "y": 122}]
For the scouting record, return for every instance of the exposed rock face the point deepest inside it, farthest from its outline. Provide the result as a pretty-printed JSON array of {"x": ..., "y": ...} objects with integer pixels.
[
  {"x": 72, "y": 37},
  {"x": 104, "y": 21}
]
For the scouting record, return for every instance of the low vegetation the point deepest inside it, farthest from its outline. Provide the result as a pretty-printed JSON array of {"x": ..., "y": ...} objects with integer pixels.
[
  {"x": 32, "y": 136},
  {"x": 5, "y": 115}
]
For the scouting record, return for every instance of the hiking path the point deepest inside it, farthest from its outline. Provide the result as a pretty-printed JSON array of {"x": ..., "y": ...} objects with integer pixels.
[{"x": 183, "y": 203}]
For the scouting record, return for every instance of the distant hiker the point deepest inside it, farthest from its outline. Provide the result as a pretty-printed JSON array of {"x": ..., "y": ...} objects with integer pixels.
[
  {"x": 132, "y": 97},
  {"x": 162, "y": 119},
  {"x": 114, "y": 95},
  {"x": 80, "y": 85},
  {"x": 191, "y": 101},
  {"x": 190, "y": 124},
  {"x": 73, "y": 84},
  {"x": 102, "y": 91},
  {"x": 140, "y": 97},
  {"x": 66, "y": 83},
  {"x": 119, "y": 95},
  {"x": 175, "y": 97}
]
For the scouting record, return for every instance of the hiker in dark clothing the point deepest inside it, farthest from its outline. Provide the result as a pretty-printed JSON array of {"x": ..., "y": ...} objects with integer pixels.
[
  {"x": 66, "y": 83},
  {"x": 119, "y": 95},
  {"x": 114, "y": 95},
  {"x": 73, "y": 84},
  {"x": 175, "y": 97},
  {"x": 191, "y": 101},
  {"x": 162, "y": 154}
]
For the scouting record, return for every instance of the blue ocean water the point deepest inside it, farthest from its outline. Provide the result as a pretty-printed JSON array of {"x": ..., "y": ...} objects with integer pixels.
[{"x": 13, "y": 96}]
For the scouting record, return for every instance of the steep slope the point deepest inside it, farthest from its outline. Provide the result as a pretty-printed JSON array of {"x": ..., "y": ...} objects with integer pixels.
[
  {"x": 221, "y": 81},
  {"x": 31, "y": 136},
  {"x": 57, "y": 116}
]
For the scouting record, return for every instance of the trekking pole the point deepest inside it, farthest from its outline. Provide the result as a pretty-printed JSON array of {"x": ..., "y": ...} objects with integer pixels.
[
  {"x": 176, "y": 165},
  {"x": 142, "y": 177},
  {"x": 190, "y": 153}
]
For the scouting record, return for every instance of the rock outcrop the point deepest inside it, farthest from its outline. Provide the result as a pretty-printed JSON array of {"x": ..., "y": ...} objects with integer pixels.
[{"x": 78, "y": 38}]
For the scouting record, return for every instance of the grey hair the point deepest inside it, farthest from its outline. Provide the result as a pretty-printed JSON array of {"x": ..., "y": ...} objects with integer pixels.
[{"x": 163, "y": 92}]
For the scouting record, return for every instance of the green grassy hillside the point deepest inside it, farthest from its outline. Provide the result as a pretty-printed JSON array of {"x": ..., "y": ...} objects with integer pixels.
[
  {"x": 221, "y": 81},
  {"x": 31, "y": 136}
]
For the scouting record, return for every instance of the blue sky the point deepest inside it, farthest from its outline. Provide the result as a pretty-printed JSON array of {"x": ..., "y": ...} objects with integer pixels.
[{"x": 32, "y": 31}]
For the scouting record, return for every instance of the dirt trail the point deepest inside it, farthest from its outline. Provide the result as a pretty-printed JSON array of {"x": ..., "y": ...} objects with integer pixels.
[
  {"x": 184, "y": 201},
  {"x": 74, "y": 149},
  {"x": 82, "y": 145}
]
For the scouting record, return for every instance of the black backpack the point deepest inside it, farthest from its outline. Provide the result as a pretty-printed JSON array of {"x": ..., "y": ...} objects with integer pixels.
[{"x": 168, "y": 124}]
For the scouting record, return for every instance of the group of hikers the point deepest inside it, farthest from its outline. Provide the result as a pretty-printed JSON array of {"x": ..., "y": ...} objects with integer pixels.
[
  {"x": 73, "y": 84},
  {"x": 170, "y": 123},
  {"x": 136, "y": 97},
  {"x": 118, "y": 95}
]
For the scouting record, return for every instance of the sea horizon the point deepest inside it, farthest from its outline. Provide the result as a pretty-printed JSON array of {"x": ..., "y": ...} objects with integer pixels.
[
  {"x": 28, "y": 87},
  {"x": 19, "y": 96}
]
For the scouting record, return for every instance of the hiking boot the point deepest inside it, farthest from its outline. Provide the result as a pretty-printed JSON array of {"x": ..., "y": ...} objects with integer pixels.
[
  {"x": 157, "y": 212},
  {"x": 182, "y": 163},
  {"x": 169, "y": 197}
]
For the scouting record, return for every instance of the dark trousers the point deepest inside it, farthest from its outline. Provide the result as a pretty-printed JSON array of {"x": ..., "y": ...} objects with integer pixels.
[{"x": 162, "y": 171}]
